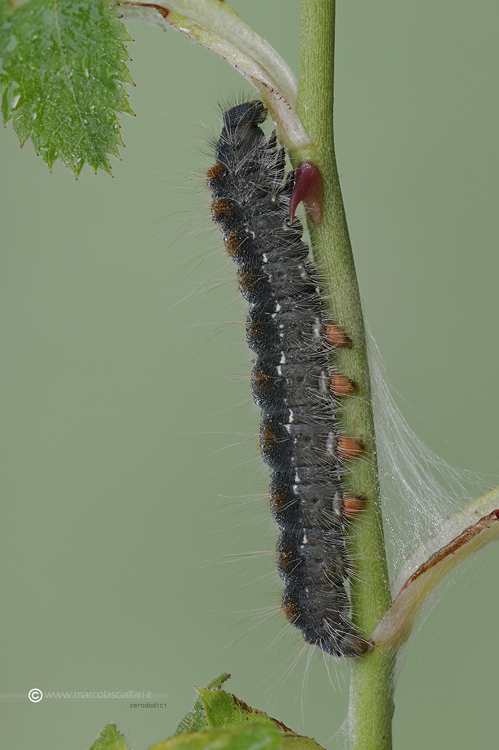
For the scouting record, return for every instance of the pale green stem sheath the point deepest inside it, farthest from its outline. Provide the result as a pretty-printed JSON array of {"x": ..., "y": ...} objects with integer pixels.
[{"x": 371, "y": 699}]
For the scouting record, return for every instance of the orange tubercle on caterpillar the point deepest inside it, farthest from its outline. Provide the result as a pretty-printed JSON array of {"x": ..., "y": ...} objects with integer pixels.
[
  {"x": 352, "y": 504},
  {"x": 309, "y": 190},
  {"x": 221, "y": 210},
  {"x": 290, "y": 610},
  {"x": 214, "y": 173},
  {"x": 348, "y": 447},
  {"x": 336, "y": 336},
  {"x": 233, "y": 243},
  {"x": 341, "y": 385}
]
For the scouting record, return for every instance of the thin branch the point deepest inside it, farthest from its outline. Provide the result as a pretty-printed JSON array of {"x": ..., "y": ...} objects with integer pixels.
[{"x": 371, "y": 704}]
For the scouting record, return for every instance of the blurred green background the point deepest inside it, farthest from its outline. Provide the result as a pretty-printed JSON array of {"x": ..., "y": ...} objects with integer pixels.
[{"x": 134, "y": 493}]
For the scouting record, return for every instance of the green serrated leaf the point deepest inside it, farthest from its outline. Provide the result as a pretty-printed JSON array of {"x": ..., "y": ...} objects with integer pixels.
[
  {"x": 252, "y": 737},
  {"x": 297, "y": 742},
  {"x": 62, "y": 70},
  {"x": 5, "y": 10},
  {"x": 195, "y": 720},
  {"x": 225, "y": 710},
  {"x": 110, "y": 739}
]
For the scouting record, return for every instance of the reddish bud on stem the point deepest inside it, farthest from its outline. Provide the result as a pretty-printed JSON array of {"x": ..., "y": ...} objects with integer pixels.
[{"x": 309, "y": 189}]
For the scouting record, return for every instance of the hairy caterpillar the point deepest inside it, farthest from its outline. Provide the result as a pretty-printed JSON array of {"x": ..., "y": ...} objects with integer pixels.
[{"x": 293, "y": 380}]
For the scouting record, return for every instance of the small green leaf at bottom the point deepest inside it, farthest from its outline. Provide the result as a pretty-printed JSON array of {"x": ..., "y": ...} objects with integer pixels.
[
  {"x": 250, "y": 737},
  {"x": 110, "y": 739},
  {"x": 225, "y": 710},
  {"x": 62, "y": 71},
  {"x": 196, "y": 718},
  {"x": 220, "y": 721}
]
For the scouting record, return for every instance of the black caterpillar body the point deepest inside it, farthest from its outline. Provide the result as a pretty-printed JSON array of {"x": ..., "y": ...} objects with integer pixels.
[{"x": 291, "y": 377}]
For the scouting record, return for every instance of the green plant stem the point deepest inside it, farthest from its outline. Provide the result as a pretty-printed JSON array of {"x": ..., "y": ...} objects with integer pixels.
[{"x": 371, "y": 700}]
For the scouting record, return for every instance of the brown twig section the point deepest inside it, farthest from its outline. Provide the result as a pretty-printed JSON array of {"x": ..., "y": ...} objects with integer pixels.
[
  {"x": 451, "y": 549},
  {"x": 397, "y": 623},
  {"x": 164, "y": 11}
]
